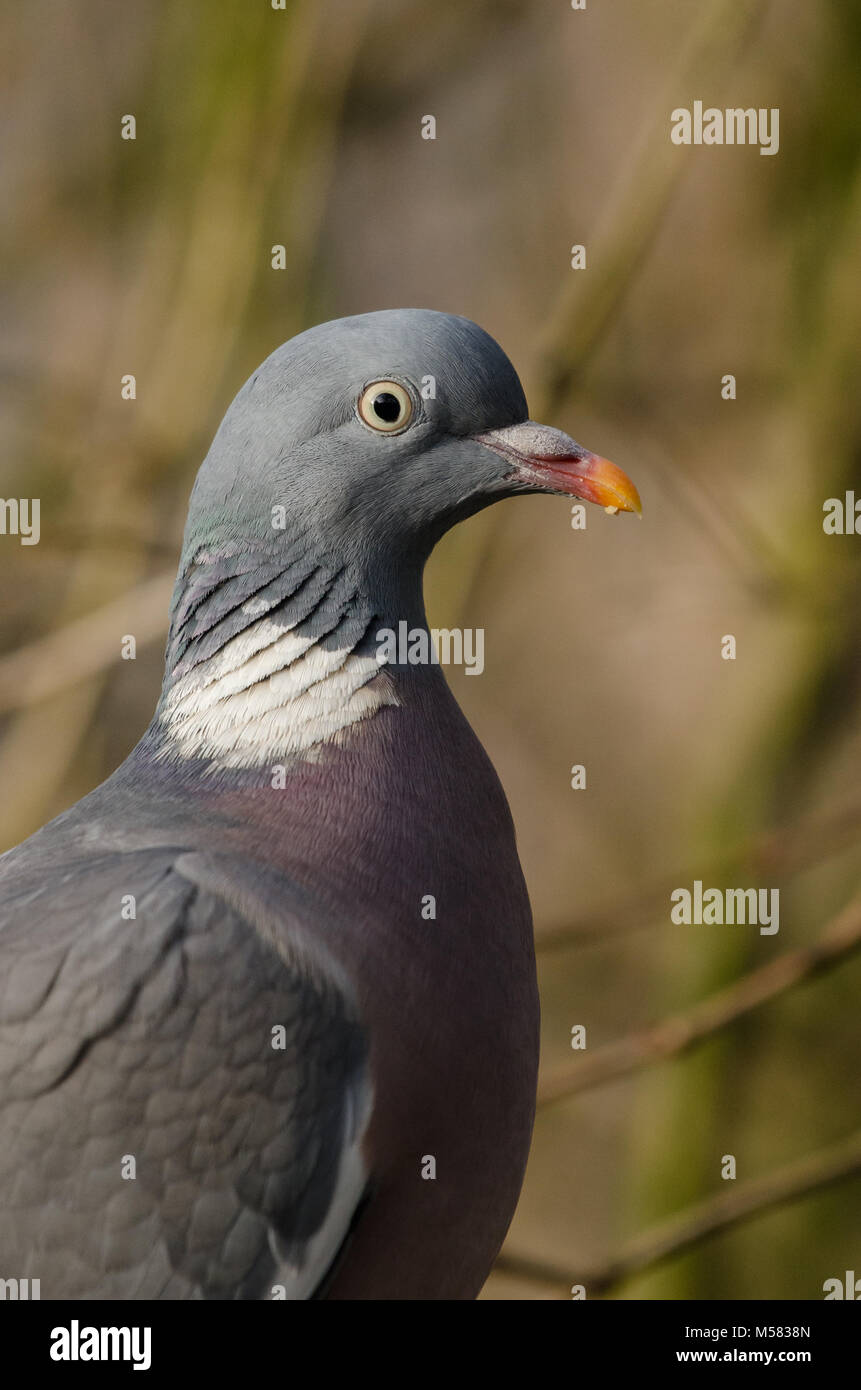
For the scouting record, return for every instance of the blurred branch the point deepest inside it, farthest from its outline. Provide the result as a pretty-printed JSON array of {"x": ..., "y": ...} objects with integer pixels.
[
  {"x": 628, "y": 226},
  {"x": 780, "y": 852},
  {"x": 85, "y": 646},
  {"x": 769, "y": 574},
  {"x": 690, "y": 1227},
  {"x": 641, "y": 197},
  {"x": 677, "y": 1034}
]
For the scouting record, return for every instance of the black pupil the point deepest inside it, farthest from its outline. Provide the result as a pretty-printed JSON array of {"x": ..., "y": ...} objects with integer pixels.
[{"x": 387, "y": 407}]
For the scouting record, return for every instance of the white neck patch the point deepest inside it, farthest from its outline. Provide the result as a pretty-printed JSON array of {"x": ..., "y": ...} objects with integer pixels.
[{"x": 269, "y": 694}]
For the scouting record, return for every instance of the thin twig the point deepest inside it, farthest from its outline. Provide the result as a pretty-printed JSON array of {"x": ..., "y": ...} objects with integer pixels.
[
  {"x": 675, "y": 1035},
  {"x": 639, "y": 201},
  {"x": 773, "y": 852},
  {"x": 690, "y": 1227}
]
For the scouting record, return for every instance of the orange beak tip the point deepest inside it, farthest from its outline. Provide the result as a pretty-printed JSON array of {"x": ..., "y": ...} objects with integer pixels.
[{"x": 596, "y": 479}]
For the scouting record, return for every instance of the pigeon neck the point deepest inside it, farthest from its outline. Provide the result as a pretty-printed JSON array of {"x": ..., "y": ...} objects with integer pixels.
[{"x": 267, "y": 662}]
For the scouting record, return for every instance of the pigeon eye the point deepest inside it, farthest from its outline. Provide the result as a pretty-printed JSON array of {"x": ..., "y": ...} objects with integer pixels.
[{"x": 386, "y": 406}]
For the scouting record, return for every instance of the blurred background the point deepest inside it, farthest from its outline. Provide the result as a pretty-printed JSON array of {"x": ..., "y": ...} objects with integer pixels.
[{"x": 302, "y": 127}]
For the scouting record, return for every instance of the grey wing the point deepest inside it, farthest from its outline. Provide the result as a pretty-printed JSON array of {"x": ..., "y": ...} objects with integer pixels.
[{"x": 182, "y": 1098}]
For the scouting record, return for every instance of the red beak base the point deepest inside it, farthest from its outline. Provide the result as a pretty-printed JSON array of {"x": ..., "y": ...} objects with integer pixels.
[{"x": 549, "y": 461}]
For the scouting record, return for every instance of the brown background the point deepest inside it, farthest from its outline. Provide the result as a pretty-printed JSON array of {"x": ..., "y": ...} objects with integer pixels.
[{"x": 257, "y": 127}]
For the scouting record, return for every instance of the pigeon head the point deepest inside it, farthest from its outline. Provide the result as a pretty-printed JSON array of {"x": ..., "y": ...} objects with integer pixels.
[
  {"x": 338, "y": 466},
  {"x": 368, "y": 437}
]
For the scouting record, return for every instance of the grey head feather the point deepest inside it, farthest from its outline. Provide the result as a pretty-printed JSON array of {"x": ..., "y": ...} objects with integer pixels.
[{"x": 292, "y": 438}]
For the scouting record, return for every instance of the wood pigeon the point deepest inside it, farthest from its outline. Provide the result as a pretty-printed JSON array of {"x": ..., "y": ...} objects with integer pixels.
[{"x": 268, "y": 1005}]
